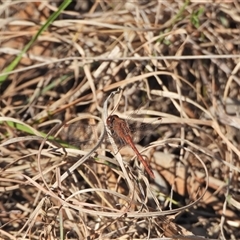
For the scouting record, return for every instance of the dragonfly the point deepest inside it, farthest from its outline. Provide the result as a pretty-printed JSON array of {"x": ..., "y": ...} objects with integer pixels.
[
  {"x": 81, "y": 134},
  {"x": 121, "y": 129}
]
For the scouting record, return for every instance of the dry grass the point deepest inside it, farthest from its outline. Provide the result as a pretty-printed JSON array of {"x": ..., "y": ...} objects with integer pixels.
[{"x": 181, "y": 56}]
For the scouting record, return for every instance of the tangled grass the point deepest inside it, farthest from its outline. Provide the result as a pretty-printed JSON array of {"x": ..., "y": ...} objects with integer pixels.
[{"x": 70, "y": 63}]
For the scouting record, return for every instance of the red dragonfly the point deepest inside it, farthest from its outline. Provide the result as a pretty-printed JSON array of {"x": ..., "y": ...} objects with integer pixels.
[{"x": 120, "y": 127}]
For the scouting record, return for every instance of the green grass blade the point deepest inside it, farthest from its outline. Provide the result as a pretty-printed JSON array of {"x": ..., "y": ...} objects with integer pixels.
[{"x": 15, "y": 62}]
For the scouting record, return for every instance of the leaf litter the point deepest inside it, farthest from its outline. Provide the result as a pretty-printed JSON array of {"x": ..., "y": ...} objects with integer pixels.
[{"x": 88, "y": 52}]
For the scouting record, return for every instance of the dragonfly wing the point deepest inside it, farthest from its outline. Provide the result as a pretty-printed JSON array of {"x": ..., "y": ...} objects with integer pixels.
[
  {"x": 118, "y": 141},
  {"x": 142, "y": 130},
  {"x": 80, "y": 134}
]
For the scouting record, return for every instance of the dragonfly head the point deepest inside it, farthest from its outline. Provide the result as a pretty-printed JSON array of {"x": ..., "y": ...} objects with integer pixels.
[{"x": 110, "y": 120}]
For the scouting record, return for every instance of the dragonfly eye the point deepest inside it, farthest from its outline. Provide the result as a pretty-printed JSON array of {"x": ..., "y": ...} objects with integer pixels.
[{"x": 109, "y": 121}]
